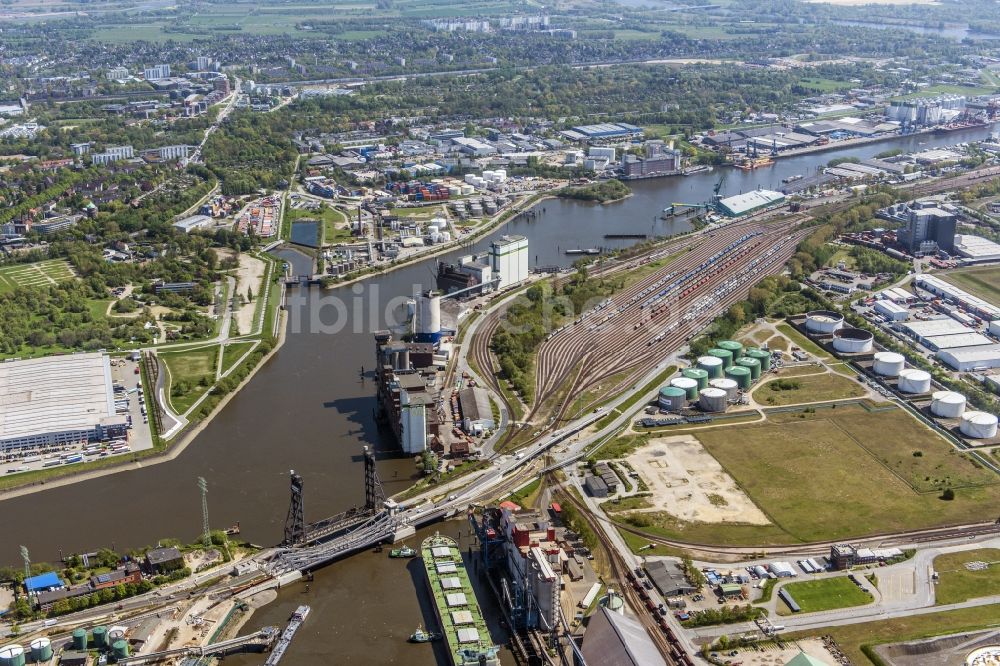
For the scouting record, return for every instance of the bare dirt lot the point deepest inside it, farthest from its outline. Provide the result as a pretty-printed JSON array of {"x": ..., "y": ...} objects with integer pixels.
[
  {"x": 687, "y": 482},
  {"x": 248, "y": 277},
  {"x": 778, "y": 657}
]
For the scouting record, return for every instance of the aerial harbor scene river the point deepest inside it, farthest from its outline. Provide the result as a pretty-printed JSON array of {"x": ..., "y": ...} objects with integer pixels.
[{"x": 310, "y": 410}]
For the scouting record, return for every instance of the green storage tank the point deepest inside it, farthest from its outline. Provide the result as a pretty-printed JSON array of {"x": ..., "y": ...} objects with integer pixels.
[
  {"x": 80, "y": 639},
  {"x": 672, "y": 399},
  {"x": 119, "y": 649},
  {"x": 697, "y": 374},
  {"x": 762, "y": 356},
  {"x": 732, "y": 346},
  {"x": 12, "y": 655},
  {"x": 741, "y": 376},
  {"x": 724, "y": 354},
  {"x": 101, "y": 637},
  {"x": 41, "y": 650},
  {"x": 751, "y": 363}
]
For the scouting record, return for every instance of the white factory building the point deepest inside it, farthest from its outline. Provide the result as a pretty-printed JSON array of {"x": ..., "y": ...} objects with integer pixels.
[
  {"x": 976, "y": 249},
  {"x": 509, "y": 260},
  {"x": 891, "y": 311},
  {"x": 946, "y": 333},
  {"x": 974, "y": 304},
  {"x": 969, "y": 359},
  {"x": 57, "y": 400}
]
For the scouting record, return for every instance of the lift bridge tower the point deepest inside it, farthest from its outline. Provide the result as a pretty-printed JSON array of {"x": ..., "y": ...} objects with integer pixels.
[{"x": 297, "y": 530}]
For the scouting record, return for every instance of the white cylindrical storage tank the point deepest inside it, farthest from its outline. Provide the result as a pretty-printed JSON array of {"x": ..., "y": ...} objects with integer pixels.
[
  {"x": 711, "y": 364},
  {"x": 429, "y": 317},
  {"x": 850, "y": 340},
  {"x": 730, "y": 386},
  {"x": 888, "y": 364},
  {"x": 823, "y": 321},
  {"x": 688, "y": 385},
  {"x": 912, "y": 380},
  {"x": 41, "y": 650},
  {"x": 445, "y": 236},
  {"x": 979, "y": 425},
  {"x": 433, "y": 229},
  {"x": 947, "y": 404},
  {"x": 115, "y": 634},
  {"x": 712, "y": 400},
  {"x": 435, "y": 237}
]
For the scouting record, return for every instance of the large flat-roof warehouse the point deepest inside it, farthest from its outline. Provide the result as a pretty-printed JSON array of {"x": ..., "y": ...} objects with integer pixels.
[
  {"x": 55, "y": 400},
  {"x": 749, "y": 202}
]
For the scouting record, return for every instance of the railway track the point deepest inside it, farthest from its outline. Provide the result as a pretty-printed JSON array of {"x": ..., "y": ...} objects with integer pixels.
[{"x": 634, "y": 593}]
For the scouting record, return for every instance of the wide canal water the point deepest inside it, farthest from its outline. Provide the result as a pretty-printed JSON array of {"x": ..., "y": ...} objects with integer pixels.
[{"x": 309, "y": 409}]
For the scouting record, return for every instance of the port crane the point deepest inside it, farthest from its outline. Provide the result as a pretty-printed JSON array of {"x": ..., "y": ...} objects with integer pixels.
[{"x": 672, "y": 209}]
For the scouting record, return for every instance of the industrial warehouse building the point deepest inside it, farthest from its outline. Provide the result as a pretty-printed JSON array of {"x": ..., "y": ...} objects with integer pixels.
[
  {"x": 967, "y": 359},
  {"x": 669, "y": 578},
  {"x": 57, "y": 400},
  {"x": 973, "y": 304},
  {"x": 750, "y": 202},
  {"x": 616, "y": 640},
  {"x": 477, "y": 411}
]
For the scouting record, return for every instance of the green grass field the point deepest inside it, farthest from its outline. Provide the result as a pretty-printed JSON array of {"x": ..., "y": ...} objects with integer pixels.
[
  {"x": 811, "y": 388},
  {"x": 958, "y": 583},
  {"x": 233, "y": 352},
  {"x": 38, "y": 274},
  {"x": 845, "y": 472},
  {"x": 802, "y": 341},
  {"x": 824, "y": 594},
  {"x": 983, "y": 281},
  {"x": 191, "y": 367}
]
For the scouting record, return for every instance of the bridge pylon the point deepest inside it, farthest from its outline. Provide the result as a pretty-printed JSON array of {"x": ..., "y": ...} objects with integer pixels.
[
  {"x": 295, "y": 521},
  {"x": 374, "y": 494}
]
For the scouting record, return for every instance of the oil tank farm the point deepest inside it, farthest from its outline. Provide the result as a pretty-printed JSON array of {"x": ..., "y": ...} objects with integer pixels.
[
  {"x": 712, "y": 365},
  {"x": 735, "y": 348},
  {"x": 850, "y": 340},
  {"x": 724, "y": 355},
  {"x": 730, "y": 386},
  {"x": 824, "y": 321},
  {"x": 979, "y": 425},
  {"x": 914, "y": 381},
  {"x": 672, "y": 399},
  {"x": 12, "y": 655},
  {"x": 888, "y": 364},
  {"x": 947, "y": 404},
  {"x": 741, "y": 375},
  {"x": 686, "y": 384},
  {"x": 712, "y": 399},
  {"x": 41, "y": 650},
  {"x": 698, "y": 375},
  {"x": 751, "y": 364},
  {"x": 762, "y": 356}
]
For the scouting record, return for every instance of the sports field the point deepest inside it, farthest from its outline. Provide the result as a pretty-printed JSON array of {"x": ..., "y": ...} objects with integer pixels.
[
  {"x": 847, "y": 472},
  {"x": 38, "y": 274},
  {"x": 967, "y": 574},
  {"x": 981, "y": 281},
  {"x": 824, "y": 594}
]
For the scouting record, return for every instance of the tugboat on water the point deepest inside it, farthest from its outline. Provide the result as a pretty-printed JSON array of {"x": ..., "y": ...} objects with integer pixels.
[
  {"x": 421, "y": 636},
  {"x": 404, "y": 552}
]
